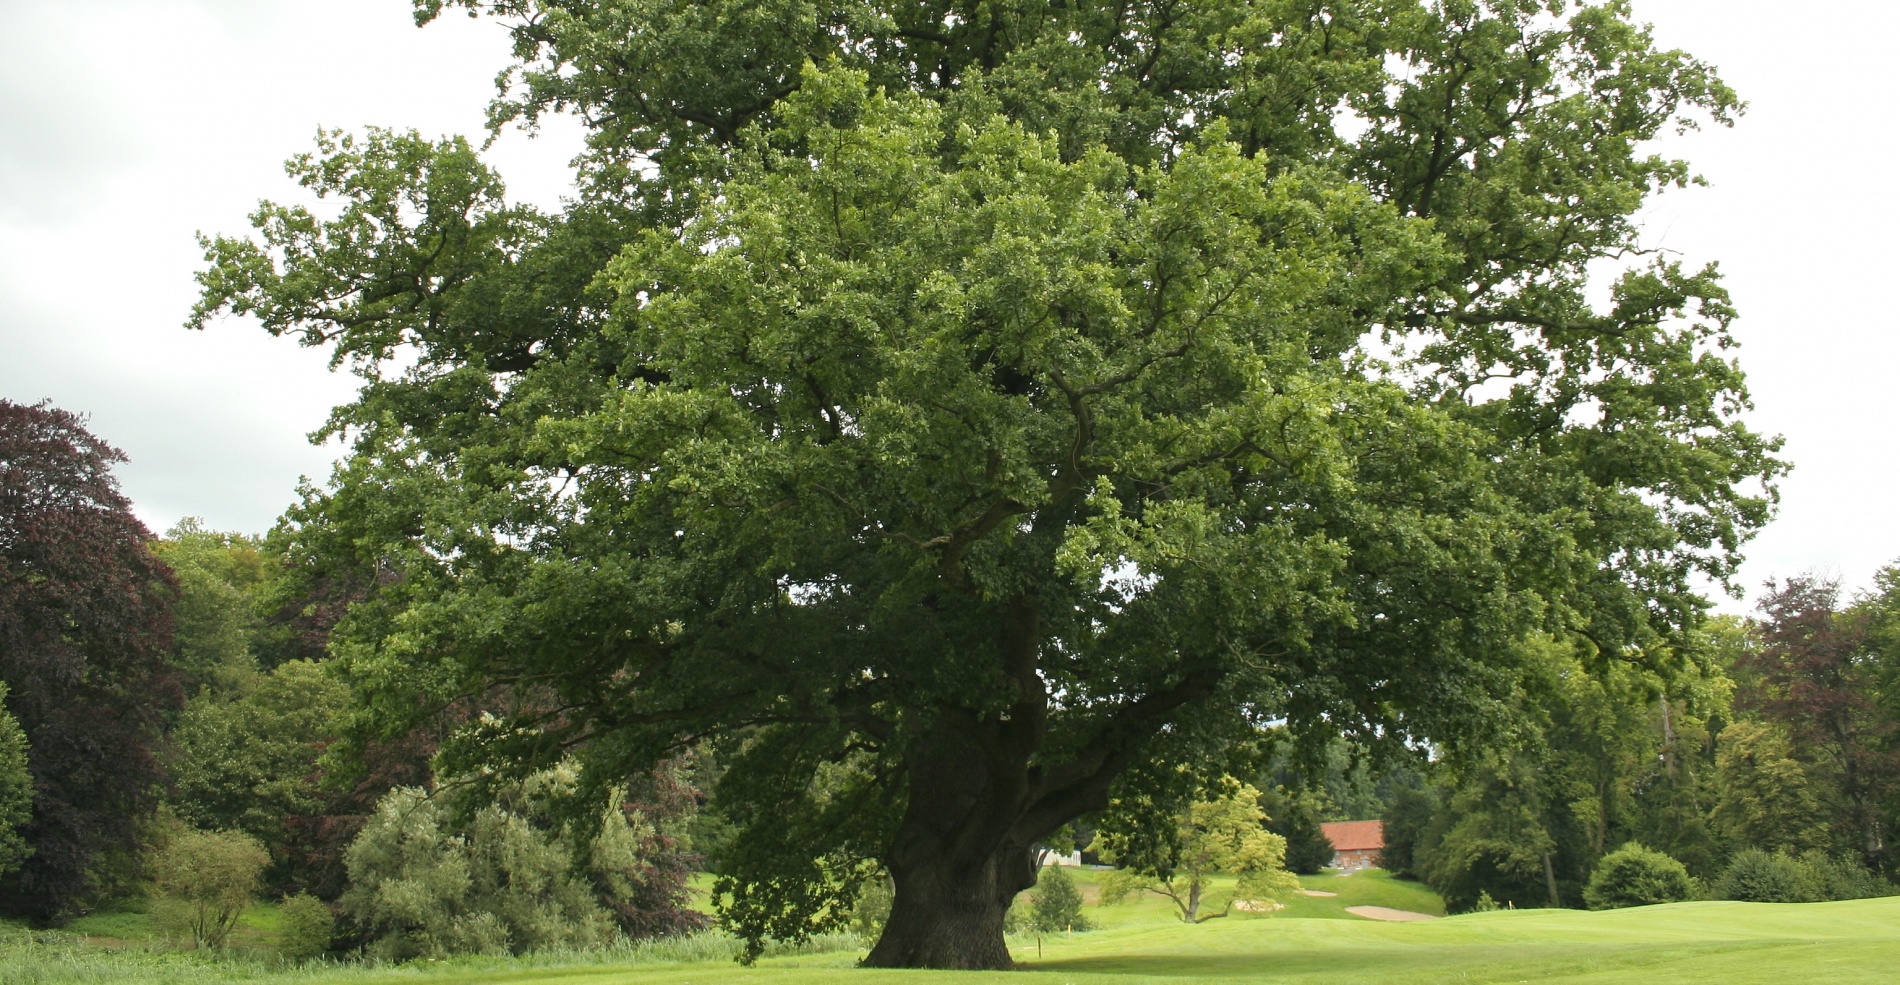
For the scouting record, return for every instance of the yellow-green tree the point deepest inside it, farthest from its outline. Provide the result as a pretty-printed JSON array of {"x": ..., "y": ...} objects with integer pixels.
[
  {"x": 206, "y": 879},
  {"x": 16, "y": 789},
  {"x": 1221, "y": 835},
  {"x": 1764, "y": 796}
]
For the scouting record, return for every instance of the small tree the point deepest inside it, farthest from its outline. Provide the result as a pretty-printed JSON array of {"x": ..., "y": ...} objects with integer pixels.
[
  {"x": 1636, "y": 876},
  {"x": 1218, "y": 836},
  {"x": 211, "y": 876},
  {"x": 1055, "y": 904}
]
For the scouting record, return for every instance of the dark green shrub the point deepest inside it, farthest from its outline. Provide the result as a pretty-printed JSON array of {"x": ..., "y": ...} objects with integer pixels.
[
  {"x": 1755, "y": 876},
  {"x": 1636, "y": 876},
  {"x": 1295, "y": 817},
  {"x": 1844, "y": 878},
  {"x": 1406, "y": 822},
  {"x": 1055, "y": 904},
  {"x": 306, "y": 924}
]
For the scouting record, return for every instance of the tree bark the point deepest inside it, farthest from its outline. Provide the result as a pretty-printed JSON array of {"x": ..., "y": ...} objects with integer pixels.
[
  {"x": 961, "y": 852},
  {"x": 949, "y": 913},
  {"x": 977, "y": 809}
]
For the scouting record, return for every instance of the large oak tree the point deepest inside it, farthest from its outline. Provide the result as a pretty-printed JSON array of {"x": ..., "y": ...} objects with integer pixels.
[{"x": 963, "y": 413}]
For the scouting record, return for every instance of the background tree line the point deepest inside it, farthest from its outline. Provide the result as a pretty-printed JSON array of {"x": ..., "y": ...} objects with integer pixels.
[
  {"x": 161, "y": 691},
  {"x": 1768, "y": 765},
  {"x": 168, "y": 722}
]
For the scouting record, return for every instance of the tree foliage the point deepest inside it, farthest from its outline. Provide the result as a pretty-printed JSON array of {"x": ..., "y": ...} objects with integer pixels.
[
  {"x": 249, "y": 759},
  {"x": 420, "y": 888},
  {"x": 1604, "y": 756},
  {"x": 85, "y": 633},
  {"x": 999, "y": 400},
  {"x": 1405, "y": 822},
  {"x": 219, "y": 576},
  {"x": 1296, "y": 819},
  {"x": 1763, "y": 796}
]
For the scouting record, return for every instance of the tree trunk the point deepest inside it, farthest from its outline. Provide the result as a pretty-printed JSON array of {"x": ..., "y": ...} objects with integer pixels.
[
  {"x": 1550, "y": 881},
  {"x": 960, "y": 854},
  {"x": 977, "y": 808},
  {"x": 949, "y": 913}
]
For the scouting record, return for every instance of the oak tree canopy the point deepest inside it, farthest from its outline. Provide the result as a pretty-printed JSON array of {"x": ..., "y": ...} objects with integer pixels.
[{"x": 956, "y": 414}]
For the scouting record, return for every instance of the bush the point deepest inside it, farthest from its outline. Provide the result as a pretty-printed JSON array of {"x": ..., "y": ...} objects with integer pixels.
[
  {"x": 307, "y": 924},
  {"x": 1843, "y": 878},
  {"x": 1636, "y": 876},
  {"x": 1055, "y": 904},
  {"x": 1755, "y": 876},
  {"x": 421, "y": 889},
  {"x": 205, "y": 880}
]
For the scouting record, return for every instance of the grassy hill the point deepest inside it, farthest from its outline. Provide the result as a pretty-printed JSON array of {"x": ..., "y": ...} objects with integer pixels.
[{"x": 1313, "y": 941}]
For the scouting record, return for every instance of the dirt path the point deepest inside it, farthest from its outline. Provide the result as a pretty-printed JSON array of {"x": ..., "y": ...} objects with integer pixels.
[{"x": 1387, "y": 913}]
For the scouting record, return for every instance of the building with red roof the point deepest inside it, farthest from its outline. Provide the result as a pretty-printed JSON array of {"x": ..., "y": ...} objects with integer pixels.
[{"x": 1356, "y": 844}]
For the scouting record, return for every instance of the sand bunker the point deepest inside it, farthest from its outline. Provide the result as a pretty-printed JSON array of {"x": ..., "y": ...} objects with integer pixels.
[
  {"x": 1387, "y": 913},
  {"x": 1316, "y": 892}
]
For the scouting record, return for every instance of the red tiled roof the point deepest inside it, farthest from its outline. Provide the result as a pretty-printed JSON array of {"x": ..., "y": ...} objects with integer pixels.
[{"x": 1349, "y": 836}]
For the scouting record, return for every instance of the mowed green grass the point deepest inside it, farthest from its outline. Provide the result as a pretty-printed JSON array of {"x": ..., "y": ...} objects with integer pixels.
[
  {"x": 1315, "y": 941},
  {"x": 1743, "y": 943}
]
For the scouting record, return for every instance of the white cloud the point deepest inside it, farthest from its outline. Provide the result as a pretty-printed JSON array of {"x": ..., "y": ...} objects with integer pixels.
[{"x": 131, "y": 125}]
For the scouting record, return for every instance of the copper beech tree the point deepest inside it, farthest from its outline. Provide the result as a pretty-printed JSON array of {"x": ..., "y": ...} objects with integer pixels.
[
  {"x": 85, "y": 637},
  {"x": 957, "y": 416}
]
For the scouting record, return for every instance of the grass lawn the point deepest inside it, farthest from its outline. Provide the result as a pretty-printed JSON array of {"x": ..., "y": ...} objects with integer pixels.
[{"x": 1312, "y": 941}]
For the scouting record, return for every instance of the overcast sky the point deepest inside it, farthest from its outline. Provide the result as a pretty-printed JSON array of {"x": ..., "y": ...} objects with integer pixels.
[{"x": 128, "y": 125}]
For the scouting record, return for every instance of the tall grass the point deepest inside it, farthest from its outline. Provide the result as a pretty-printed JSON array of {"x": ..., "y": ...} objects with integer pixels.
[{"x": 55, "y": 958}]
